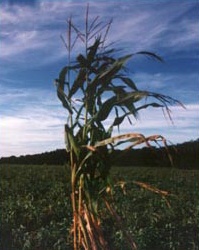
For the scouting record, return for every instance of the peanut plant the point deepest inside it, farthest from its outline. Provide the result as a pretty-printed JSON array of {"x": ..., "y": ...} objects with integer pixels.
[{"x": 95, "y": 88}]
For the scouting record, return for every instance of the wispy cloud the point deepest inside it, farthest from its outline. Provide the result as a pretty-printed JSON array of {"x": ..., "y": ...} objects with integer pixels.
[
  {"x": 25, "y": 29},
  {"x": 26, "y": 136},
  {"x": 173, "y": 84},
  {"x": 32, "y": 118},
  {"x": 37, "y": 125},
  {"x": 152, "y": 121},
  {"x": 32, "y": 124}
]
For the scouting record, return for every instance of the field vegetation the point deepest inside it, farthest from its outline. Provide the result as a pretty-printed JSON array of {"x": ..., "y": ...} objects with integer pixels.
[{"x": 36, "y": 210}]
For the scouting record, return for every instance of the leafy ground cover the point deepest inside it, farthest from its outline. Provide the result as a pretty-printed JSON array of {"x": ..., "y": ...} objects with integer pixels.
[{"x": 36, "y": 211}]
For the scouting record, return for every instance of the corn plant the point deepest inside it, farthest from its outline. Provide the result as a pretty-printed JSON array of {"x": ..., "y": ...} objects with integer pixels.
[{"x": 95, "y": 88}]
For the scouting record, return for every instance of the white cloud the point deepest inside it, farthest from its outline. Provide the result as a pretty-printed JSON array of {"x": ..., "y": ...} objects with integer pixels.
[
  {"x": 32, "y": 130},
  {"x": 183, "y": 128},
  {"x": 27, "y": 136},
  {"x": 35, "y": 118},
  {"x": 38, "y": 126},
  {"x": 32, "y": 123},
  {"x": 32, "y": 119},
  {"x": 183, "y": 87},
  {"x": 24, "y": 28}
]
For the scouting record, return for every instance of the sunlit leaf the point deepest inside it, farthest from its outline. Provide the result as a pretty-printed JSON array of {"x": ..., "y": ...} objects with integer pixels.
[
  {"x": 133, "y": 97},
  {"x": 71, "y": 138},
  {"x": 123, "y": 137}
]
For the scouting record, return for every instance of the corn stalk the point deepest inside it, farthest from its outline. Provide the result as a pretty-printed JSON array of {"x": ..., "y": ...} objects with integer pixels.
[{"x": 93, "y": 88}]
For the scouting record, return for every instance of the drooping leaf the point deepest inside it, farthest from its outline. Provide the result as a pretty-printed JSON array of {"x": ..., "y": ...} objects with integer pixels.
[
  {"x": 82, "y": 61},
  {"x": 106, "y": 109},
  {"x": 131, "y": 107},
  {"x": 60, "y": 87},
  {"x": 62, "y": 76},
  {"x": 150, "y": 54},
  {"x": 60, "y": 90},
  {"x": 93, "y": 51},
  {"x": 118, "y": 120},
  {"x": 72, "y": 140},
  {"x": 78, "y": 83},
  {"x": 121, "y": 138},
  {"x": 151, "y": 188},
  {"x": 63, "y": 98},
  {"x": 129, "y": 82},
  {"x": 133, "y": 97},
  {"x": 154, "y": 105},
  {"x": 122, "y": 101},
  {"x": 116, "y": 66}
]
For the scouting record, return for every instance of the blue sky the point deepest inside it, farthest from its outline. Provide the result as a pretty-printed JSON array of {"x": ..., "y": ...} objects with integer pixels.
[{"x": 32, "y": 54}]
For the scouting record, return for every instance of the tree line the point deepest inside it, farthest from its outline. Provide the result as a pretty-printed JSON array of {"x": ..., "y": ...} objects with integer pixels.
[{"x": 184, "y": 155}]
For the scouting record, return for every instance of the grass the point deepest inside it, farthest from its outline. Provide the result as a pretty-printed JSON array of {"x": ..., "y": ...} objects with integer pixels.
[{"x": 36, "y": 208}]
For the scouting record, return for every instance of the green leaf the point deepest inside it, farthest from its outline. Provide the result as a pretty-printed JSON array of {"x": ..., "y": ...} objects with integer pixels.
[
  {"x": 78, "y": 83},
  {"x": 122, "y": 100},
  {"x": 154, "y": 105},
  {"x": 60, "y": 90},
  {"x": 63, "y": 98},
  {"x": 150, "y": 54},
  {"x": 134, "y": 96},
  {"x": 71, "y": 140},
  {"x": 129, "y": 82},
  {"x": 131, "y": 107},
  {"x": 116, "y": 66},
  {"x": 62, "y": 76},
  {"x": 118, "y": 120},
  {"x": 93, "y": 51},
  {"x": 106, "y": 109},
  {"x": 82, "y": 61},
  {"x": 90, "y": 100}
]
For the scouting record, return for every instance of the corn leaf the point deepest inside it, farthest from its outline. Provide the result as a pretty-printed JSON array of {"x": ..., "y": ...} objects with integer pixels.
[
  {"x": 133, "y": 97},
  {"x": 129, "y": 82},
  {"x": 116, "y": 66},
  {"x": 154, "y": 105},
  {"x": 72, "y": 140},
  {"x": 62, "y": 76},
  {"x": 118, "y": 120},
  {"x": 93, "y": 50},
  {"x": 151, "y": 188},
  {"x": 82, "y": 61},
  {"x": 130, "y": 106},
  {"x": 150, "y": 54},
  {"x": 78, "y": 83},
  {"x": 63, "y": 97},
  {"x": 123, "y": 138},
  {"x": 106, "y": 109}
]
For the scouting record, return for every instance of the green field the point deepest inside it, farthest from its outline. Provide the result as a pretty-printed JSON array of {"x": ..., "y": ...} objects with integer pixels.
[{"x": 36, "y": 210}]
